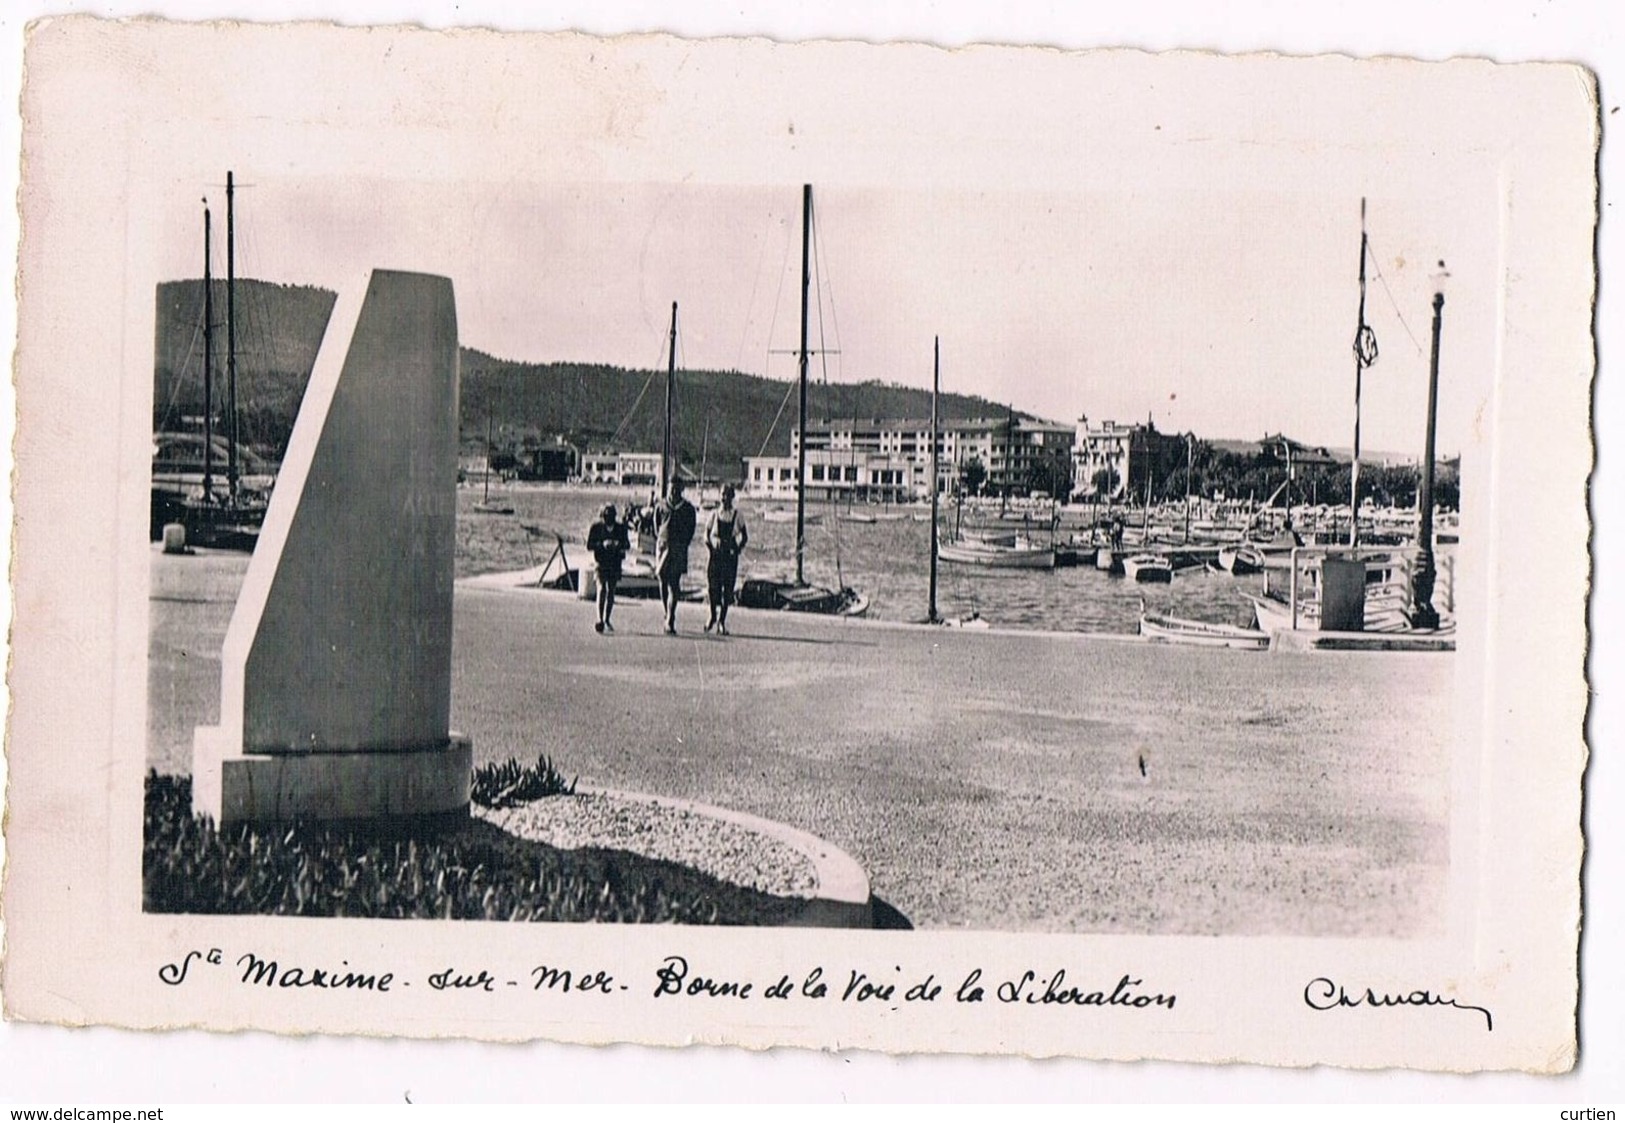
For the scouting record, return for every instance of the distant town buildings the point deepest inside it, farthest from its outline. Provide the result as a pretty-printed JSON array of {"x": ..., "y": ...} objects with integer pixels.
[
  {"x": 1112, "y": 460},
  {"x": 622, "y": 469},
  {"x": 888, "y": 460}
]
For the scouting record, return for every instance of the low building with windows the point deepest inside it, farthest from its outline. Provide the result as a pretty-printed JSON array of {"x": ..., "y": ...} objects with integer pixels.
[
  {"x": 884, "y": 460},
  {"x": 621, "y": 469}
]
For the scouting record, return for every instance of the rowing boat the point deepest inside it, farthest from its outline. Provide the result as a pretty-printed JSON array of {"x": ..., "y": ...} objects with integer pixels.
[{"x": 1159, "y": 628}]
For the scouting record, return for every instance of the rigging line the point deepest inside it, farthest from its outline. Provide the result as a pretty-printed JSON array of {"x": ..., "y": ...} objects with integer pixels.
[
  {"x": 790, "y": 388},
  {"x": 1376, "y": 264},
  {"x": 657, "y": 369},
  {"x": 654, "y": 372},
  {"x": 180, "y": 373},
  {"x": 834, "y": 320},
  {"x": 750, "y": 305},
  {"x": 823, "y": 352},
  {"x": 784, "y": 266}
]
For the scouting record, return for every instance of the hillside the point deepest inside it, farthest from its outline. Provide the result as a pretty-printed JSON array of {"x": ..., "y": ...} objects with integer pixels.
[
  {"x": 724, "y": 414},
  {"x": 279, "y": 328}
]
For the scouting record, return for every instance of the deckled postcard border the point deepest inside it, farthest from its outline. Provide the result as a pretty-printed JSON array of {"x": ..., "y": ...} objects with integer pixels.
[{"x": 79, "y": 948}]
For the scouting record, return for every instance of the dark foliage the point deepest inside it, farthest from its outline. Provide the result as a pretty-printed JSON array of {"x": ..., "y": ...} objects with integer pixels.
[
  {"x": 467, "y": 871},
  {"x": 508, "y": 783}
]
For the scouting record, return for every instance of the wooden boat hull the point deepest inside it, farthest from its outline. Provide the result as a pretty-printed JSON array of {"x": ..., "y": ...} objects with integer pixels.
[
  {"x": 787, "y": 596},
  {"x": 811, "y": 519},
  {"x": 997, "y": 557},
  {"x": 1148, "y": 568},
  {"x": 1241, "y": 560},
  {"x": 1198, "y": 633}
]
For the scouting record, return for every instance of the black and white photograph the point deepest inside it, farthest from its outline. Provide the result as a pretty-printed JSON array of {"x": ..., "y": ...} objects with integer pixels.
[
  {"x": 815, "y": 544},
  {"x": 1102, "y": 675}
]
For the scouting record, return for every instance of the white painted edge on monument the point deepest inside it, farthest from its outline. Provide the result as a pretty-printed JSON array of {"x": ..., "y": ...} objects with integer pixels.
[{"x": 292, "y": 478}]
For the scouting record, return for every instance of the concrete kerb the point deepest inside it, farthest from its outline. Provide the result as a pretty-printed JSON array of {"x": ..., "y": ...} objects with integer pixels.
[{"x": 842, "y": 898}]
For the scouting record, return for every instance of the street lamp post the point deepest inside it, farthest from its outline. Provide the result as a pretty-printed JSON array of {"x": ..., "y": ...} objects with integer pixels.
[{"x": 1423, "y": 614}]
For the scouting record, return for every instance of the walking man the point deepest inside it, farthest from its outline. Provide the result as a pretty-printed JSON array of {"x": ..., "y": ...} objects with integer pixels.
[
  {"x": 672, "y": 539},
  {"x": 725, "y": 535},
  {"x": 608, "y": 543}
]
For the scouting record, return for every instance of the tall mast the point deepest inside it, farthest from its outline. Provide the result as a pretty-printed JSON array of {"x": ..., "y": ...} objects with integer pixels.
[
  {"x": 705, "y": 448},
  {"x": 671, "y": 377},
  {"x": 487, "y": 498},
  {"x": 1009, "y": 456},
  {"x": 208, "y": 364},
  {"x": 801, "y": 428},
  {"x": 1288, "y": 485},
  {"x": 1365, "y": 353},
  {"x": 231, "y": 336},
  {"x": 1145, "y": 527},
  {"x": 936, "y": 378},
  {"x": 1190, "y": 464}
]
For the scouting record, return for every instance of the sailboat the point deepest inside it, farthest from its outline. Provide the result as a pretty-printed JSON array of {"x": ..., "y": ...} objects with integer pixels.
[
  {"x": 228, "y": 519},
  {"x": 798, "y": 595}
]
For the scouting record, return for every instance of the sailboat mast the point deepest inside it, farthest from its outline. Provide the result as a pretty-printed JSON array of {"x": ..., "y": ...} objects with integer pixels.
[
  {"x": 801, "y": 362},
  {"x": 1190, "y": 464},
  {"x": 1009, "y": 456},
  {"x": 671, "y": 378},
  {"x": 1364, "y": 355},
  {"x": 208, "y": 364},
  {"x": 705, "y": 448},
  {"x": 487, "y": 498},
  {"x": 1288, "y": 483},
  {"x": 1145, "y": 527},
  {"x": 231, "y": 336},
  {"x": 936, "y": 379}
]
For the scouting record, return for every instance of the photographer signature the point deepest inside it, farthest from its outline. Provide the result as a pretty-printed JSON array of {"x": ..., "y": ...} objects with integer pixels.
[{"x": 1324, "y": 994}]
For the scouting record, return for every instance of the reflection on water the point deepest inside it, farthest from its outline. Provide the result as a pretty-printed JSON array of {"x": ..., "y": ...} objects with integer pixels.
[{"x": 887, "y": 560}]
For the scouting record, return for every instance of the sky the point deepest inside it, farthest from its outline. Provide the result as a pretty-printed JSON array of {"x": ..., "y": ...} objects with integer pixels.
[{"x": 1223, "y": 312}]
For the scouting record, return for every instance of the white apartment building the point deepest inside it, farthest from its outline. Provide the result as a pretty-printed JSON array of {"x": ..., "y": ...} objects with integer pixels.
[{"x": 889, "y": 459}]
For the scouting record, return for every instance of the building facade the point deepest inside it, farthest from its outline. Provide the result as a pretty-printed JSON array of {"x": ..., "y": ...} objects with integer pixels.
[
  {"x": 889, "y": 459},
  {"x": 1130, "y": 456},
  {"x": 622, "y": 469}
]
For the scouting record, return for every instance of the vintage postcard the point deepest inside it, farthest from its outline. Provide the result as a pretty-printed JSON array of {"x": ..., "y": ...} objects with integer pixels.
[{"x": 1002, "y": 550}]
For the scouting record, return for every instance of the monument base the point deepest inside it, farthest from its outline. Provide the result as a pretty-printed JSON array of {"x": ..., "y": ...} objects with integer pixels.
[{"x": 231, "y": 786}]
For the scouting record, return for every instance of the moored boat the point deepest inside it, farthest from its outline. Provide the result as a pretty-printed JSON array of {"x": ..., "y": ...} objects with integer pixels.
[
  {"x": 1241, "y": 559},
  {"x": 1148, "y": 567},
  {"x": 1160, "y": 628},
  {"x": 778, "y": 515},
  {"x": 790, "y": 596},
  {"x": 989, "y": 555}
]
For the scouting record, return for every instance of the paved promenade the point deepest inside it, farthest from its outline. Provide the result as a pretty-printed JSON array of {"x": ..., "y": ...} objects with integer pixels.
[{"x": 985, "y": 780}]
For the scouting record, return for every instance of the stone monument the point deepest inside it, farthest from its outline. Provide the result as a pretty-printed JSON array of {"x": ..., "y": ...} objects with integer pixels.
[{"x": 335, "y": 699}]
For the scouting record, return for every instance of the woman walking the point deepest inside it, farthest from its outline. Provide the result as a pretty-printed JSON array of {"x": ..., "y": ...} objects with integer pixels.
[{"x": 726, "y": 536}]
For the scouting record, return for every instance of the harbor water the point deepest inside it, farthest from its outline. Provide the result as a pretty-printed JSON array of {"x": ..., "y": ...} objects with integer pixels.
[{"x": 887, "y": 560}]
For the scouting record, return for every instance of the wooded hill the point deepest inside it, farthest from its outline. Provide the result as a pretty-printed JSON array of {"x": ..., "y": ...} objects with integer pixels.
[
  {"x": 279, "y": 328},
  {"x": 719, "y": 416}
]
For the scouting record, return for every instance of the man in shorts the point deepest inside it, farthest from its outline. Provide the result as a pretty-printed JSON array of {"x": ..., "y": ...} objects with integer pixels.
[{"x": 676, "y": 531}]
